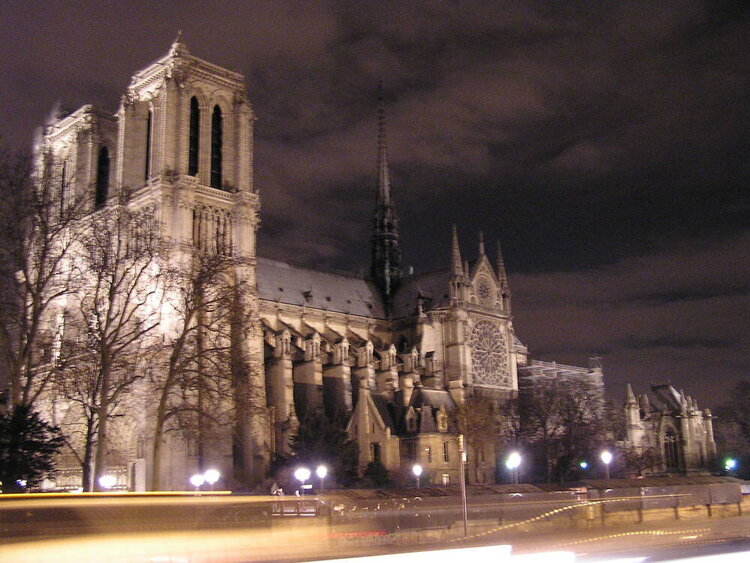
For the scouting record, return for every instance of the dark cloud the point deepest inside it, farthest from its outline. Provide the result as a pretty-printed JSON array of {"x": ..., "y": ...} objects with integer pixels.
[{"x": 604, "y": 143}]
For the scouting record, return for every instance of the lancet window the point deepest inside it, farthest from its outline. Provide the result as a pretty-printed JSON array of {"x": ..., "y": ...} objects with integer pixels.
[
  {"x": 102, "y": 177},
  {"x": 216, "y": 146},
  {"x": 194, "y": 137}
]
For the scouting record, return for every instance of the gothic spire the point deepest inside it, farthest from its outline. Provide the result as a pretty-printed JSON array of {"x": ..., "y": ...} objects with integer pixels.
[
  {"x": 630, "y": 396},
  {"x": 456, "y": 265},
  {"x": 500, "y": 264},
  {"x": 386, "y": 254},
  {"x": 481, "y": 243},
  {"x": 384, "y": 179}
]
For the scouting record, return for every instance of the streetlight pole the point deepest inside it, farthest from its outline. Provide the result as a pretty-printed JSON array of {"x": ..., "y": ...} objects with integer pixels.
[
  {"x": 302, "y": 474},
  {"x": 512, "y": 463},
  {"x": 417, "y": 470},
  {"x": 606, "y": 457},
  {"x": 321, "y": 472},
  {"x": 462, "y": 480}
]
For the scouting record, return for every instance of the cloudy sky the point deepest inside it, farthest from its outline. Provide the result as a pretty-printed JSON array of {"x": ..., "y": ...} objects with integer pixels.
[{"x": 605, "y": 144}]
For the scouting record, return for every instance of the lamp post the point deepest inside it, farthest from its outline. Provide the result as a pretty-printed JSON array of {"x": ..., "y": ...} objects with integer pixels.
[
  {"x": 462, "y": 478},
  {"x": 321, "y": 472},
  {"x": 417, "y": 470},
  {"x": 512, "y": 463},
  {"x": 197, "y": 480},
  {"x": 302, "y": 474},
  {"x": 606, "y": 457},
  {"x": 211, "y": 476}
]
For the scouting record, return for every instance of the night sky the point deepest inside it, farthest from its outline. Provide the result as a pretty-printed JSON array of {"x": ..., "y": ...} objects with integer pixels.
[{"x": 605, "y": 144}]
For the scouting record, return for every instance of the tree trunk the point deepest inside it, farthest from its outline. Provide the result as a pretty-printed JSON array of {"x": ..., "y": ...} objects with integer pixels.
[
  {"x": 100, "y": 463},
  {"x": 88, "y": 449}
]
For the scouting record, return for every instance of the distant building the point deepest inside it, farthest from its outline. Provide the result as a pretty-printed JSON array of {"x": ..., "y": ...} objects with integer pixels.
[
  {"x": 394, "y": 353},
  {"x": 679, "y": 434}
]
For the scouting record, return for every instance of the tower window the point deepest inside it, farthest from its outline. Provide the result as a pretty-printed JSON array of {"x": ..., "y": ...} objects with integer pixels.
[
  {"x": 216, "y": 142},
  {"x": 63, "y": 179},
  {"x": 149, "y": 124},
  {"x": 195, "y": 124},
  {"x": 446, "y": 456},
  {"x": 102, "y": 177}
]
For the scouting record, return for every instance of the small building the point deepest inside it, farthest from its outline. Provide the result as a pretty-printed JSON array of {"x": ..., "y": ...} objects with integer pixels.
[{"x": 672, "y": 428}]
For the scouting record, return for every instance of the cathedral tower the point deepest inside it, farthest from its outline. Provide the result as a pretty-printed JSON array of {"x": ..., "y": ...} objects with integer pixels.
[{"x": 385, "y": 268}]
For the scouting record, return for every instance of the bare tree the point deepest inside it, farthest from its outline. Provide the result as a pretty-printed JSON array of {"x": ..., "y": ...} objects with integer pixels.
[
  {"x": 486, "y": 425},
  {"x": 562, "y": 423},
  {"x": 119, "y": 263},
  {"x": 38, "y": 219},
  {"x": 195, "y": 384}
]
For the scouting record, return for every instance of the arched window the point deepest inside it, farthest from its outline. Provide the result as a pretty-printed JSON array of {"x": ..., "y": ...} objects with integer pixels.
[
  {"x": 195, "y": 127},
  {"x": 671, "y": 453},
  {"x": 149, "y": 124},
  {"x": 216, "y": 148},
  {"x": 63, "y": 179},
  {"x": 102, "y": 177}
]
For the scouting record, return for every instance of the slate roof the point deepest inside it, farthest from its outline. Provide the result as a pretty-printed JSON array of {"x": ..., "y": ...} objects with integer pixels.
[
  {"x": 431, "y": 285},
  {"x": 296, "y": 285}
]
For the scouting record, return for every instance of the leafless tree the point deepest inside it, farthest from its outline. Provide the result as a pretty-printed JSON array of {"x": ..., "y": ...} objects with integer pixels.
[
  {"x": 562, "y": 422},
  {"x": 486, "y": 424},
  {"x": 38, "y": 219},
  {"x": 195, "y": 384},
  {"x": 119, "y": 263}
]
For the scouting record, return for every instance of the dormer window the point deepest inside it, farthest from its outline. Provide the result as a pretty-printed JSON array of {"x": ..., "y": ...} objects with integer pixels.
[
  {"x": 411, "y": 421},
  {"x": 442, "y": 422}
]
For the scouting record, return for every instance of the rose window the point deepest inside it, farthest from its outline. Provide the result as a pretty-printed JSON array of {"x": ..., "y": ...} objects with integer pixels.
[{"x": 489, "y": 355}]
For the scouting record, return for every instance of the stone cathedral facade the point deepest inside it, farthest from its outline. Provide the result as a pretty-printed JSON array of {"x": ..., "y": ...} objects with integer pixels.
[{"x": 393, "y": 354}]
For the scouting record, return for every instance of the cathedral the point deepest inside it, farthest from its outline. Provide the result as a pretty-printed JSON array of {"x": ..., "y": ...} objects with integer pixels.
[{"x": 392, "y": 354}]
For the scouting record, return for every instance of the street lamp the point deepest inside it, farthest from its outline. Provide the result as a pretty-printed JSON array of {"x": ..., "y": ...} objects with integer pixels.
[
  {"x": 730, "y": 464},
  {"x": 584, "y": 465},
  {"x": 211, "y": 476},
  {"x": 302, "y": 474},
  {"x": 321, "y": 471},
  {"x": 512, "y": 463},
  {"x": 606, "y": 457},
  {"x": 417, "y": 470},
  {"x": 197, "y": 480},
  {"x": 107, "y": 481}
]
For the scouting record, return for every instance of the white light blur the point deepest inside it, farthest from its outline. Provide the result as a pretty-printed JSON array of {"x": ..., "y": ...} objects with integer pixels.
[
  {"x": 197, "y": 480},
  {"x": 302, "y": 474},
  {"x": 606, "y": 457},
  {"x": 513, "y": 461},
  {"x": 211, "y": 476},
  {"x": 416, "y": 469},
  {"x": 484, "y": 553},
  {"x": 321, "y": 471},
  {"x": 107, "y": 481}
]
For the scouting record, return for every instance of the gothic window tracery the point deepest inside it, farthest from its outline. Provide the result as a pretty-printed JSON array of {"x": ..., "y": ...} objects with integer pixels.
[
  {"x": 485, "y": 292},
  {"x": 489, "y": 354}
]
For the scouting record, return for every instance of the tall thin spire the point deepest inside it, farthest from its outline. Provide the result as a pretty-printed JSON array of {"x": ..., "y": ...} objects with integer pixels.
[
  {"x": 386, "y": 254},
  {"x": 456, "y": 264},
  {"x": 481, "y": 243},
  {"x": 384, "y": 178}
]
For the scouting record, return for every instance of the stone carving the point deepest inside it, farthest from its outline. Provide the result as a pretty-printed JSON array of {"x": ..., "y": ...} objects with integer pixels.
[{"x": 489, "y": 355}]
